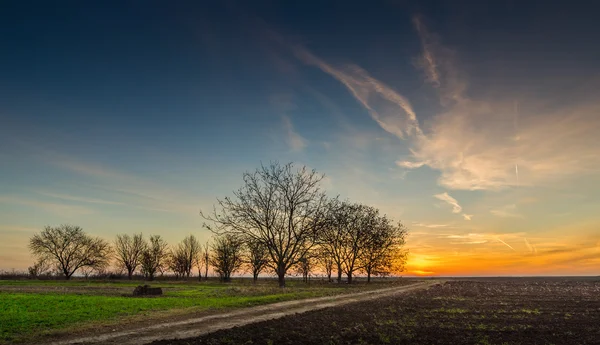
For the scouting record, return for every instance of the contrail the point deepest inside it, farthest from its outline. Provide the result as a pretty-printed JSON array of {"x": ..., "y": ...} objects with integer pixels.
[
  {"x": 506, "y": 244},
  {"x": 528, "y": 244},
  {"x": 517, "y": 173}
]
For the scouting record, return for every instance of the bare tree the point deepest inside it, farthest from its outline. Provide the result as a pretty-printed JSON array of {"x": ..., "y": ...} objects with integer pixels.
[
  {"x": 325, "y": 261},
  {"x": 279, "y": 206},
  {"x": 69, "y": 248},
  {"x": 346, "y": 231},
  {"x": 185, "y": 256},
  {"x": 39, "y": 268},
  {"x": 154, "y": 257},
  {"x": 383, "y": 252},
  {"x": 257, "y": 258},
  {"x": 305, "y": 266},
  {"x": 128, "y": 252},
  {"x": 206, "y": 259},
  {"x": 227, "y": 256},
  {"x": 200, "y": 262}
]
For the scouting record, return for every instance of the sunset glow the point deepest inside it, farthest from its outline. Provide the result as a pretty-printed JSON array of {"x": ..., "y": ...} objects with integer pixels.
[{"x": 485, "y": 143}]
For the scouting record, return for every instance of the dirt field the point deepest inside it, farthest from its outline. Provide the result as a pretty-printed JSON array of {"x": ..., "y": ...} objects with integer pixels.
[{"x": 498, "y": 311}]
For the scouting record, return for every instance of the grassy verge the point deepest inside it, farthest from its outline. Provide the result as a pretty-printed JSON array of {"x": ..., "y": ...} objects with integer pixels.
[{"x": 35, "y": 308}]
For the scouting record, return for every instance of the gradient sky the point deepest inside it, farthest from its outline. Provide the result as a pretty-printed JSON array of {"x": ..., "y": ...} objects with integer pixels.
[{"x": 477, "y": 125}]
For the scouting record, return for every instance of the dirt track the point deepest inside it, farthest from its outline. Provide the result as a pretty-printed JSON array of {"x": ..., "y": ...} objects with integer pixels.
[{"x": 194, "y": 327}]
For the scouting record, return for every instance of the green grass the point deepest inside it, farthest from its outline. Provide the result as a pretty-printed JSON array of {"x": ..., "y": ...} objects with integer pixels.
[{"x": 33, "y": 308}]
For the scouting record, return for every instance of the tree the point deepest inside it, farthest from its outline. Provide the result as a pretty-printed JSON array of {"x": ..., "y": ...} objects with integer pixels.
[
  {"x": 226, "y": 257},
  {"x": 185, "y": 256},
  {"x": 332, "y": 237},
  {"x": 69, "y": 248},
  {"x": 39, "y": 268},
  {"x": 206, "y": 259},
  {"x": 128, "y": 250},
  {"x": 346, "y": 232},
  {"x": 305, "y": 266},
  {"x": 279, "y": 206},
  {"x": 383, "y": 249},
  {"x": 200, "y": 263},
  {"x": 325, "y": 261},
  {"x": 154, "y": 257},
  {"x": 257, "y": 258}
]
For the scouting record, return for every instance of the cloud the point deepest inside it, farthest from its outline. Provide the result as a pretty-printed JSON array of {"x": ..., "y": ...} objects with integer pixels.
[
  {"x": 475, "y": 143},
  {"x": 56, "y": 208},
  {"x": 410, "y": 165},
  {"x": 294, "y": 140},
  {"x": 531, "y": 248},
  {"x": 507, "y": 211},
  {"x": 392, "y": 111},
  {"x": 432, "y": 226},
  {"x": 427, "y": 60},
  {"x": 480, "y": 144},
  {"x": 506, "y": 244},
  {"x": 137, "y": 191},
  {"x": 78, "y": 198},
  {"x": 456, "y": 208},
  {"x": 283, "y": 104},
  {"x": 482, "y": 238}
]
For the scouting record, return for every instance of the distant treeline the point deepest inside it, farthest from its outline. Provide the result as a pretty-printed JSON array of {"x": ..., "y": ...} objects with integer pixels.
[{"x": 279, "y": 222}]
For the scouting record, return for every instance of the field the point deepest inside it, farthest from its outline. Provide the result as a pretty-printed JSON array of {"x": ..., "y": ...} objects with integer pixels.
[
  {"x": 33, "y": 309},
  {"x": 492, "y": 311}
]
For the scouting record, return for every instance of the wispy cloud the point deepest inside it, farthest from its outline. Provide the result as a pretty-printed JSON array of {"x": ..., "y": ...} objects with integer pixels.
[
  {"x": 478, "y": 144},
  {"x": 504, "y": 243},
  {"x": 294, "y": 140},
  {"x": 456, "y": 208},
  {"x": 531, "y": 247},
  {"x": 431, "y": 226},
  {"x": 56, "y": 208},
  {"x": 284, "y": 105},
  {"x": 79, "y": 198},
  {"x": 427, "y": 60},
  {"x": 475, "y": 143},
  {"x": 507, "y": 211},
  {"x": 392, "y": 111},
  {"x": 139, "y": 192}
]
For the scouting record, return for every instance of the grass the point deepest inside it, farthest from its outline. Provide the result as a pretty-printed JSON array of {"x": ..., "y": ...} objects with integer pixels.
[{"x": 35, "y": 308}]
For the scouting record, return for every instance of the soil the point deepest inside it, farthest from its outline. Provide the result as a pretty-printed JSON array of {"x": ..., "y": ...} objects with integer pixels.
[
  {"x": 193, "y": 326},
  {"x": 500, "y": 311}
]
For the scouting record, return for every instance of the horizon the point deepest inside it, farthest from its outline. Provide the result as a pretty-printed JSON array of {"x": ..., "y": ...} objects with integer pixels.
[{"x": 476, "y": 125}]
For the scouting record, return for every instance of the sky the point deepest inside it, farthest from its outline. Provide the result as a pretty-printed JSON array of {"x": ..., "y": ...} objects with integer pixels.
[{"x": 475, "y": 124}]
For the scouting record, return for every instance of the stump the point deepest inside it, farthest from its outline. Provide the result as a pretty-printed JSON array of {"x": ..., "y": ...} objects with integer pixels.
[{"x": 146, "y": 290}]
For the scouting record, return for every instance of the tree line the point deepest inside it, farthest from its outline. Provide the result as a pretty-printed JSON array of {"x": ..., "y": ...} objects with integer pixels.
[{"x": 279, "y": 222}]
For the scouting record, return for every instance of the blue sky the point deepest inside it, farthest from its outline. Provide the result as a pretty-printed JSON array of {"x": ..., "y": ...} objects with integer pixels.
[{"x": 476, "y": 125}]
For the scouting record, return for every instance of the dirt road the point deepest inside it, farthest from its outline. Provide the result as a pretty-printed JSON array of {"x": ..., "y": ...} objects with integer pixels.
[{"x": 194, "y": 327}]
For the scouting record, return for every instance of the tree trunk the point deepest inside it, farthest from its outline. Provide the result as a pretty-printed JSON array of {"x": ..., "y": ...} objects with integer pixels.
[
  {"x": 329, "y": 277},
  {"x": 255, "y": 277},
  {"x": 368, "y": 276},
  {"x": 281, "y": 275},
  {"x": 129, "y": 274},
  {"x": 339, "y": 277},
  {"x": 350, "y": 277}
]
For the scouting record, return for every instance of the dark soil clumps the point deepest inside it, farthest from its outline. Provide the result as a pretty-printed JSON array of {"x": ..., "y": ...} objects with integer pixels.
[{"x": 146, "y": 290}]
